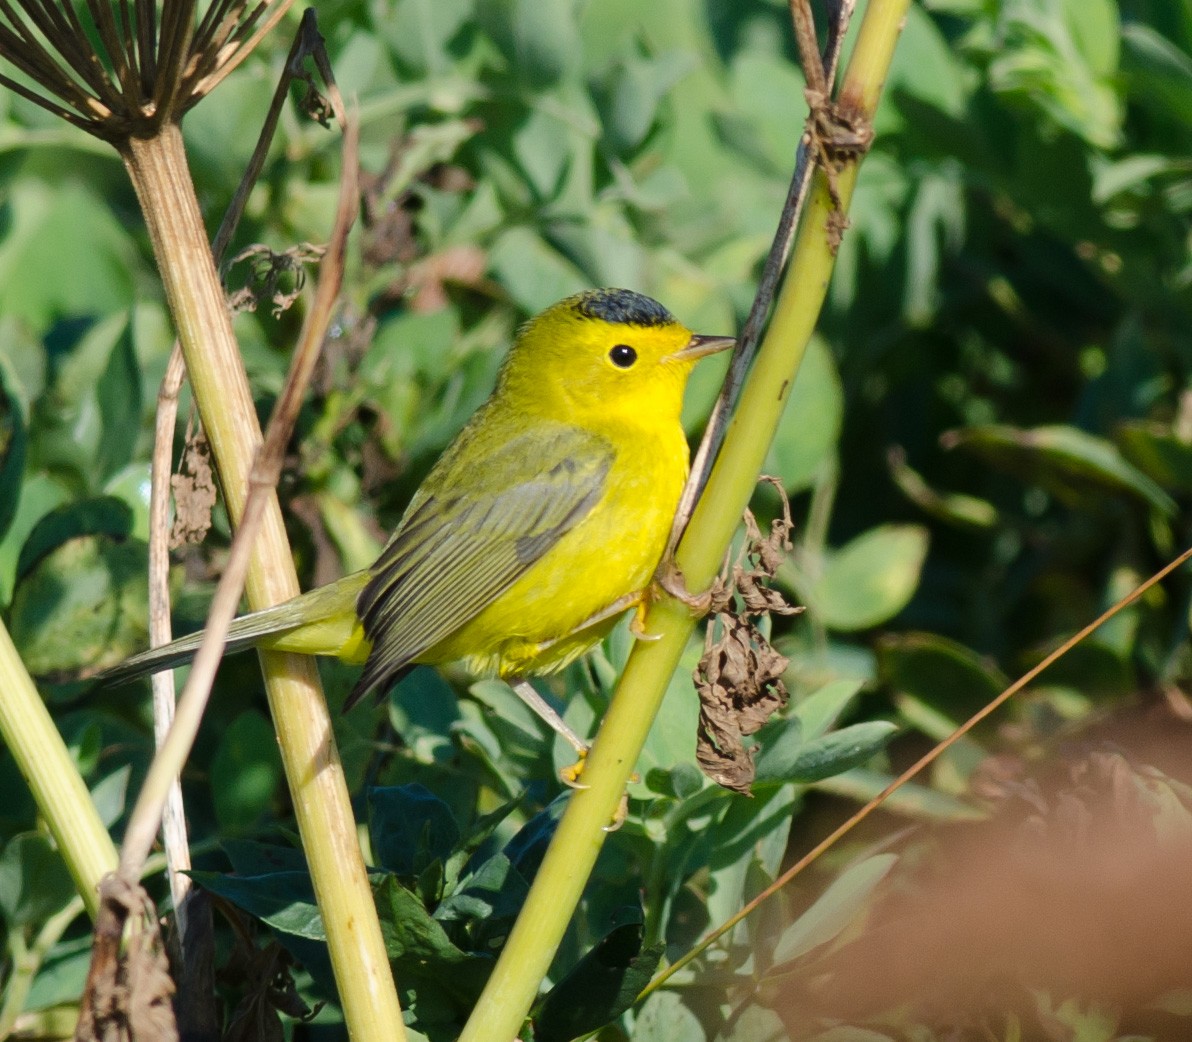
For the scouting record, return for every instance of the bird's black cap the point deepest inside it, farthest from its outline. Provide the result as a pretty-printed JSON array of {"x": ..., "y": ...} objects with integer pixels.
[{"x": 621, "y": 306}]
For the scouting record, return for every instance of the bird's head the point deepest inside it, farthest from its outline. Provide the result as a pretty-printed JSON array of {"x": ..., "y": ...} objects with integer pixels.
[{"x": 605, "y": 352}]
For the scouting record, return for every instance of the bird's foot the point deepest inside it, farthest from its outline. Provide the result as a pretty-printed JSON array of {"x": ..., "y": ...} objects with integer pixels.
[{"x": 669, "y": 577}]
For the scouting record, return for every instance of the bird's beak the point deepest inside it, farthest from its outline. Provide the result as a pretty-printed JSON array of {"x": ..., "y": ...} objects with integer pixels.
[{"x": 699, "y": 346}]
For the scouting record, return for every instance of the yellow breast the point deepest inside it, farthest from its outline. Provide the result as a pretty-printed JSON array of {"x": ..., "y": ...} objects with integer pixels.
[{"x": 538, "y": 625}]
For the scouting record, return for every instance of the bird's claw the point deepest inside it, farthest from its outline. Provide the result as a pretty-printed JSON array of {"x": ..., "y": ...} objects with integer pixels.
[
  {"x": 670, "y": 578},
  {"x": 569, "y": 776}
]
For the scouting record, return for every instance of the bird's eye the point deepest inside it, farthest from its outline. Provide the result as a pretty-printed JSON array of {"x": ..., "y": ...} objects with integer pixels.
[{"x": 622, "y": 356}]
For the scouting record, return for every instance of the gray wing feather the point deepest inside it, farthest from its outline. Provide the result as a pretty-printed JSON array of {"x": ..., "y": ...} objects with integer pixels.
[{"x": 460, "y": 548}]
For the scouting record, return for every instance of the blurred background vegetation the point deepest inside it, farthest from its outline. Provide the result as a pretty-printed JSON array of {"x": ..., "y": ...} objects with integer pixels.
[{"x": 989, "y": 443}]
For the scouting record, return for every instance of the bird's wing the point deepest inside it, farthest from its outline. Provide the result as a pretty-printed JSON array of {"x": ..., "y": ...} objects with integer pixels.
[{"x": 460, "y": 546}]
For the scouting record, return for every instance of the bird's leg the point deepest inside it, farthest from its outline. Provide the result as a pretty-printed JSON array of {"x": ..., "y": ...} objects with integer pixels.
[
  {"x": 621, "y": 604},
  {"x": 525, "y": 691}
]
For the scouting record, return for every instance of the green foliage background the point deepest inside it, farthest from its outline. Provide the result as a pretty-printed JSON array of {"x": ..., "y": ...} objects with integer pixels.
[{"x": 990, "y": 442}]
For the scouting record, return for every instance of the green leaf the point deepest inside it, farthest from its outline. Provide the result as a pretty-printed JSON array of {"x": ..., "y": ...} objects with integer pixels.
[
  {"x": 821, "y": 709},
  {"x": 12, "y": 452},
  {"x": 110, "y": 795},
  {"x": 915, "y": 801},
  {"x": 535, "y": 274},
  {"x": 419, "y": 31},
  {"x": 45, "y": 227},
  {"x": 1076, "y": 466},
  {"x": 486, "y": 902},
  {"x": 1158, "y": 451},
  {"x": 80, "y": 602},
  {"x": 951, "y": 507},
  {"x": 601, "y": 986},
  {"x": 250, "y": 858},
  {"x": 1042, "y": 64},
  {"x": 835, "y": 908},
  {"x": 34, "y": 881},
  {"x": 631, "y": 92},
  {"x": 830, "y": 754},
  {"x": 870, "y": 579},
  {"x": 1158, "y": 72},
  {"x": 284, "y": 900},
  {"x": 942, "y": 673},
  {"x": 810, "y": 428},
  {"x": 37, "y": 496},
  {"x": 664, "y": 1017},
  {"x": 754, "y": 1023},
  {"x": 246, "y": 771},
  {"x": 410, "y": 828}
]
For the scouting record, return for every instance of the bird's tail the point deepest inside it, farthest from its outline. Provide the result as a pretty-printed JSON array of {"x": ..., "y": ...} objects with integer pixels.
[{"x": 320, "y": 622}]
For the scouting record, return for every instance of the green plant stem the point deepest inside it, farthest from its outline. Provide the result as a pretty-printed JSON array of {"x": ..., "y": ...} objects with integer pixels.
[
  {"x": 157, "y": 167},
  {"x": 559, "y": 884},
  {"x": 58, "y": 788},
  {"x": 26, "y": 959}
]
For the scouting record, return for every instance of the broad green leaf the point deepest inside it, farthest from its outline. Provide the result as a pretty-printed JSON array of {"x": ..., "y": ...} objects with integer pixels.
[
  {"x": 110, "y": 795},
  {"x": 600, "y": 987},
  {"x": 1156, "y": 450},
  {"x": 410, "y": 827},
  {"x": 419, "y": 31},
  {"x": 1158, "y": 72},
  {"x": 541, "y": 39},
  {"x": 535, "y": 274},
  {"x": 871, "y": 579},
  {"x": 1040, "y": 65},
  {"x": 811, "y": 422},
  {"x": 80, "y": 602},
  {"x": 485, "y": 903},
  {"x": 12, "y": 452},
  {"x": 47, "y": 225},
  {"x": 952, "y": 507},
  {"x": 913, "y": 800},
  {"x": 38, "y": 495},
  {"x": 284, "y": 900},
  {"x": 1093, "y": 667},
  {"x": 832, "y": 753},
  {"x": 245, "y": 772},
  {"x": 631, "y": 91},
  {"x": 34, "y": 881},
  {"x": 754, "y": 1023},
  {"x": 1078, "y": 467},
  {"x": 747, "y": 845},
  {"x": 86, "y": 425},
  {"x": 62, "y": 976},
  {"x": 834, "y": 909},
  {"x": 821, "y": 709},
  {"x": 944, "y": 674},
  {"x": 664, "y": 1017},
  {"x": 251, "y": 858}
]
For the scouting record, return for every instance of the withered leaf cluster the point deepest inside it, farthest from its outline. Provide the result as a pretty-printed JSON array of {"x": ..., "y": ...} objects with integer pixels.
[
  {"x": 129, "y": 990},
  {"x": 274, "y": 275},
  {"x": 739, "y": 677},
  {"x": 194, "y": 490}
]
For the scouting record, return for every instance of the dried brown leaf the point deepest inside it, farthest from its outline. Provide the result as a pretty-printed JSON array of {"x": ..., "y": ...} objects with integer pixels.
[
  {"x": 128, "y": 993},
  {"x": 194, "y": 490},
  {"x": 739, "y": 677}
]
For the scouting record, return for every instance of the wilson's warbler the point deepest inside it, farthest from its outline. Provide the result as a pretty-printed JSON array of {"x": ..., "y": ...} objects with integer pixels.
[{"x": 539, "y": 526}]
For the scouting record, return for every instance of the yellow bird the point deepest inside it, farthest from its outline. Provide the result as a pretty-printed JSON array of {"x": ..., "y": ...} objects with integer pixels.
[{"x": 540, "y": 525}]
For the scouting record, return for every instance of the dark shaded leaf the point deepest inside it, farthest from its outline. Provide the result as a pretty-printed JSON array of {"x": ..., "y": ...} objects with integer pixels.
[{"x": 600, "y": 987}]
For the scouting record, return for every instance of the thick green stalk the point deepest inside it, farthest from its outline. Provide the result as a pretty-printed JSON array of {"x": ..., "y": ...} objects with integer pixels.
[
  {"x": 157, "y": 167},
  {"x": 557, "y": 888},
  {"x": 58, "y": 788}
]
